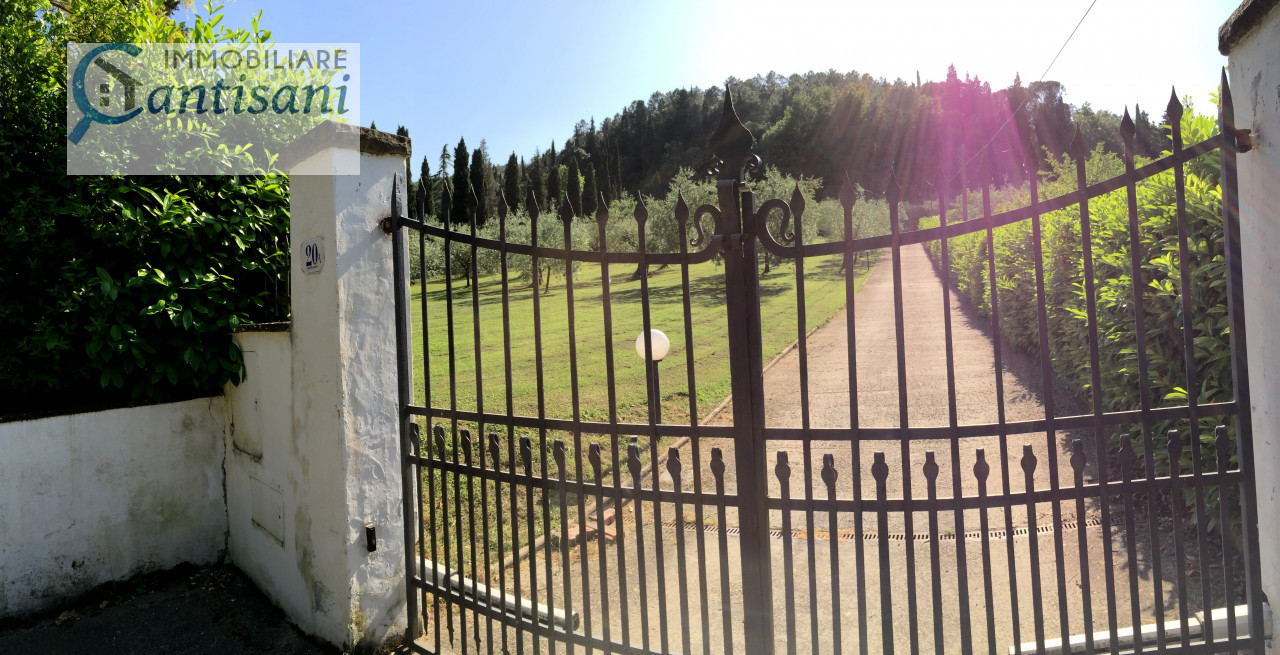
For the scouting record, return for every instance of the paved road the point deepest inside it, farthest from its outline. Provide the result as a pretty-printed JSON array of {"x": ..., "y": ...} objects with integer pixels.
[{"x": 878, "y": 405}]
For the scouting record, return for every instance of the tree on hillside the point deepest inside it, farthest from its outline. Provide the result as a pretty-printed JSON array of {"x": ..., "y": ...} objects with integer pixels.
[
  {"x": 589, "y": 195},
  {"x": 830, "y": 124},
  {"x": 1150, "y": 139},
  {"x": 536, "y": 182},
  {"x": 610, "y": 172},
  {"x": 479, "y": 179},
  {"x": 511, "y": 182},
  {"x": 492, "y": 182},
  {"x": 1099, "y": 126},
  {"x": 1050, "y": 116},
  {"x": 424, "y": 178},
  {"x": 1016, "y": 98},
  {"x": 445, "y": 160},
  {"x": 523, "y": 186},
  {"x": 591, "y": 142},
  {"x": 574, "y": 187},
  {"x": 461, "y": 183},
  {"x": 553, "y": 178}
]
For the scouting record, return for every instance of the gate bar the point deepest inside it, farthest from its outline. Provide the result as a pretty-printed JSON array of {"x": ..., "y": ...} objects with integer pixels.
[
  {"x": 848, "y": 195},
  {"x": 1239, "y": 363},
  {"x": 404, "y": 384},
  {"x": 894, "y": 195},
  {"x": 1174, "y": 113},
  {"x": 742, "y": 303}
]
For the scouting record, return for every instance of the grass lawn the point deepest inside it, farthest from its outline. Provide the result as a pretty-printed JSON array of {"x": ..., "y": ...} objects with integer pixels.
[{"x": 824, "y": 297}]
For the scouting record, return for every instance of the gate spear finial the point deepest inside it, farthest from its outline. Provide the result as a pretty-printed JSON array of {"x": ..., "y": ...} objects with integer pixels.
[{"x": 731, "y": 142}]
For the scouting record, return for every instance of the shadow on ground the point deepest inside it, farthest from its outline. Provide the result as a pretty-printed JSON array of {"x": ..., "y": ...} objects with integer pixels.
[{"x": 187, "y": 610}]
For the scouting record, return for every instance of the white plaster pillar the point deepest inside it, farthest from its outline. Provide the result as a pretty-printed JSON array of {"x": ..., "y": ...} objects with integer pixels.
[
  {"x": 1251, "y": 40},
  {"x": 345, "y": 432}
]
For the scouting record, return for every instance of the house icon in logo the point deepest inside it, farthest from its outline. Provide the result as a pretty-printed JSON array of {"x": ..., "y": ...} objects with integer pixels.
[
  {"x": 121, "y": 78},
  {"x": 92, "y": 114}
]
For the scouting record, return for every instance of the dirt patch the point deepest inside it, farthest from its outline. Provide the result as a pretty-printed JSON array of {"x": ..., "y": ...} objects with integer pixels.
[{"x": 189, "y": 610}]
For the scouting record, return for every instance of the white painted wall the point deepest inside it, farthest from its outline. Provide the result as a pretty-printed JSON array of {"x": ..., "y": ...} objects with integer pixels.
[
  {"x": 370, "y": 427},
  {"x": 1254, "y": 71},
  {"x": 265, "y": 477},
  {"x": 314, "y": 453},
  {"x": 92, "y": 498}
]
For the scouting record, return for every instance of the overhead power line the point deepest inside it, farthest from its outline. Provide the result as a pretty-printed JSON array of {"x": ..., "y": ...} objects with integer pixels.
[{"x": 1023, "y": 104}]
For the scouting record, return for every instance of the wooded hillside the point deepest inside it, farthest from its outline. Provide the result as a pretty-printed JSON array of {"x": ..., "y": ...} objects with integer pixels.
[{"x": 818, "y": 125}]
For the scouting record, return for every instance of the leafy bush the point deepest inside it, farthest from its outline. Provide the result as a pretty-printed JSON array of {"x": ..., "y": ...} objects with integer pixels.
[
  {"x": 117, "y": 290},
  {"x": 1063, "y": 261}
]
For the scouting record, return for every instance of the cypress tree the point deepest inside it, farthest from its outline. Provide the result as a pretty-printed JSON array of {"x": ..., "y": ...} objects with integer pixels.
[
  {"x": 603, "y": 184},
  {"x": 589, "y": 195},
  {"x": 424, "y": 178},
  {"x": 524, "y": 181},
  {"x": 553, "y": 186},
  {"x": 492, "y": 183},
  {"x": 574, "y": 187},
  {"x": 479, "y": 184},
  {"x": 553, "y": 178},
  {"x": 536, "y": 181},
  {"x": 592, "y": 143},
  {"x": 461, "y": 182},
  {"x": 511, "y": 182},
  {"x": 445, "y": 160}
]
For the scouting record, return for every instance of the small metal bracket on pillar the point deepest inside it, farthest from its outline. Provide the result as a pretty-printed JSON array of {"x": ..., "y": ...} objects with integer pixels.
[{"x": 370, "y": 537}]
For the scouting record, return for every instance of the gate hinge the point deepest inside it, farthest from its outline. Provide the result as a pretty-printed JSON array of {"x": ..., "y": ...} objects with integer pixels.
[
  {"x": 390, "y": 223},
  {"x": 1244, "y": 139},
  {"x": 726, "y": 242}
]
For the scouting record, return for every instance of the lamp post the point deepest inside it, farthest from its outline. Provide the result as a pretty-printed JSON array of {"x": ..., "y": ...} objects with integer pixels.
[{"x": 652, "y": 346}]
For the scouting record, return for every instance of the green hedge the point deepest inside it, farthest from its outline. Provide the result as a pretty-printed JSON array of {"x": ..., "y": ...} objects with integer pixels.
[
  {"x": 118, "y": 290},
  {"x": 1063, "y": 261}
]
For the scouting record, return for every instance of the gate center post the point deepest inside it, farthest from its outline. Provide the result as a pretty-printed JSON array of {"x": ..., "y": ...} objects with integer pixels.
[
  {"x": 731, "y": 148},
  {"x": 742, "y": 301}
]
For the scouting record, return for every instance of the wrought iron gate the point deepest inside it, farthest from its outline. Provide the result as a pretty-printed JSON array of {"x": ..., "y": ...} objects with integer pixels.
[{"x": 562, "y": 557}]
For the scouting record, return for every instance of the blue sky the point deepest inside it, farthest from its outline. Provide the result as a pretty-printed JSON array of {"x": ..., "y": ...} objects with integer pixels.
[{"x": 520, "y": 74}]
